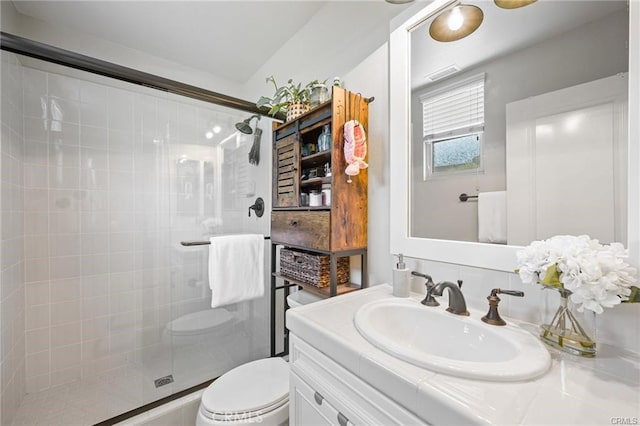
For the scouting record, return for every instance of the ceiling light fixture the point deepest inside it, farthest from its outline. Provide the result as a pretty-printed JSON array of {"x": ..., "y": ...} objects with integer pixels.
[
  {"x": 513, "y": 4},
  {"x": 456, "y": 23},
  {"x": 399, "y": 1}
]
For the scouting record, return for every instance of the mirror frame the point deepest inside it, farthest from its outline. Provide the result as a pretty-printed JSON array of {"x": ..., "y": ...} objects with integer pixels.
[{"x": 482, "y": 255}]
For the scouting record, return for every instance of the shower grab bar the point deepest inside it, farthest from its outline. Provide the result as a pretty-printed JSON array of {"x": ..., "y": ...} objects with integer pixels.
[
  {"x": 464, "y": 197},
  {"x": 203, "y": 243}
]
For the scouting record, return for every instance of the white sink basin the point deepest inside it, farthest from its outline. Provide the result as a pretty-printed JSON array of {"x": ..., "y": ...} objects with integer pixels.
[{"x": 460, "y": 346}]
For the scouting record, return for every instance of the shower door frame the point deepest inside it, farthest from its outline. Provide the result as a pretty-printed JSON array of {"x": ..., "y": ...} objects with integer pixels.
[{"x": 46, "y": 52}]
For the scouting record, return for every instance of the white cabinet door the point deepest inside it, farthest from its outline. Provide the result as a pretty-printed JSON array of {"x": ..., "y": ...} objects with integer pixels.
[{"x": 343, "y": 397}]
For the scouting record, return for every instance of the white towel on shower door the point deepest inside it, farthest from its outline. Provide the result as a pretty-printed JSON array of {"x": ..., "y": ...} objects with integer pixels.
[
  {"x": 492, "y": 217},
  {"x": 236, "y": 268}
]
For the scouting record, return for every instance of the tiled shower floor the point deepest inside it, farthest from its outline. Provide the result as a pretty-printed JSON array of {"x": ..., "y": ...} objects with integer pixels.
[
  {"x": 85, "y": 402},
  {"x": 101, "y": 397}
]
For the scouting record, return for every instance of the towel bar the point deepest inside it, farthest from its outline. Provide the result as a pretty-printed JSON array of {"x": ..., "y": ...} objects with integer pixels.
[
  {"x": 465, "y": 197},
  {"x": 203, "y": 243}
]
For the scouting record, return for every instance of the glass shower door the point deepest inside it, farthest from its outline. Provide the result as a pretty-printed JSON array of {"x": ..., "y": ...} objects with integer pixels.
[{"x": 116, "y": 176}]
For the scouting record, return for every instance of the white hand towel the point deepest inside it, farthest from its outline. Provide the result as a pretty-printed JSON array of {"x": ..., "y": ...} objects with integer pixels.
[
  {"x": 492, "y": 217},
  {"x": 236, "y": 268}
]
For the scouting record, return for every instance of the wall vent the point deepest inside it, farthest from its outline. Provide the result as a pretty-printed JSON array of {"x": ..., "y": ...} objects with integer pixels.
[{"x": 444, "y": 72}]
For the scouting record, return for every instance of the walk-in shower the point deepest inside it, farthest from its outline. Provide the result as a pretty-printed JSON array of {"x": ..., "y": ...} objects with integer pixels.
[{"x": 105, "y": 180}]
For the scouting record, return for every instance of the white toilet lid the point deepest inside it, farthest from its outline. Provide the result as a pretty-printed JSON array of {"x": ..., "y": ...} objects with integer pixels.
[
  {"x": 256, "y": 386},
  {"x": 199, "y": 322},
  {"x": 300, "y": 298}
]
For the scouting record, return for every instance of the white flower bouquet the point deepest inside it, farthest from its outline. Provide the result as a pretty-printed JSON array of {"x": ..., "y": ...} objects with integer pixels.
[{"x": 597, "y": 275}]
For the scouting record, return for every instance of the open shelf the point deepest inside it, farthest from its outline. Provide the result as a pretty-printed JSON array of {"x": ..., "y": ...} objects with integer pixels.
[
  {"x": 309, "y": 118},
  {"x": 318, "y": 157},
  {"x": 302, "y": 208},
  {"x": 319, "y": 291},
  {"x": 315, "y": 181}
]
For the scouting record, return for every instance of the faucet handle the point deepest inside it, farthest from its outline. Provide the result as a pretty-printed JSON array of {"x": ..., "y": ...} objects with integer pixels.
[
  {"x": 493, "y": 317},
  {"x": 516, "y": 293},
  {"x": 420, "y": 274},
  {"x": 428, "y": 300},
  {"x": 258, "y": 207}
]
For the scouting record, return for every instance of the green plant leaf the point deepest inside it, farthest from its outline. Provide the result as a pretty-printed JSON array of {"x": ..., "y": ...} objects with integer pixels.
[
  {"x": 552, "y": 277},
  {"x": 263, "y": 101},
  {"x": 272, "y": 80},
  {"x": 274, "y": 110},
  {"x": 634, "y": 297},
  {"x": 285, "y": 96}
]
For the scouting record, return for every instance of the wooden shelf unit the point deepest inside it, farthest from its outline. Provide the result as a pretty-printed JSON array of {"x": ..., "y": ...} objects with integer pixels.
[{"x": 338, "y": 229}]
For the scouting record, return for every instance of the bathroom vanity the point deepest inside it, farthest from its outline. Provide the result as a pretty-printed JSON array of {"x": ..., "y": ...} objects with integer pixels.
[{"x": 338, "y": 377}]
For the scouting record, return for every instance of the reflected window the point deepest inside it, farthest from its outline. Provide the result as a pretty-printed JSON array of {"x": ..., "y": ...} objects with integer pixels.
[
  {"x": 456, "y": 154},
  {"x": 452, "y": 127}
]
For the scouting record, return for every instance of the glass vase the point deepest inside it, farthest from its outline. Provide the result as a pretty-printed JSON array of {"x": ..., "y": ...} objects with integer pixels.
[
  {"x": 564, "y": 331},
  {"x": 324, "y": 140},
  {"x": 319, "y": 95}
]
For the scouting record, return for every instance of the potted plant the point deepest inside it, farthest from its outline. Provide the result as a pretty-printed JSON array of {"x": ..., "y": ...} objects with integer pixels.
[{"x": 292, "y": 99}]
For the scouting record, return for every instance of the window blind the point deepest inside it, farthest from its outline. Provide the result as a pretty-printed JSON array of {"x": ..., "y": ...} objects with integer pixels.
[{"x": 455, "y": 109}]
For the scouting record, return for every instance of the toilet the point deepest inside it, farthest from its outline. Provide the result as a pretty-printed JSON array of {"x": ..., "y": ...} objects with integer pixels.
[{"x": 255, "y": 392}]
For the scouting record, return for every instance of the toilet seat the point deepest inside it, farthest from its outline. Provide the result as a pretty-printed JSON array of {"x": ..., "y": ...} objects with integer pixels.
[
  {"x": 199, "y": 322},
  {"x": 250, "y": 390}
]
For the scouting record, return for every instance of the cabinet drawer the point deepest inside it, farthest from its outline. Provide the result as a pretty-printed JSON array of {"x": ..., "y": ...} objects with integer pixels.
[
  {"x": 309, "y": 407},
  {"x": 305, "y": 229}
]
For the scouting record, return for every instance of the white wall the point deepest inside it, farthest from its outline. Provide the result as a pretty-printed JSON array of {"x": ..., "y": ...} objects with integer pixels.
[
  {"x": 374, "y": 83},
  {"x": 8, "y": 17},
  {"x": 342, "y": 50},
  {"x": 90, "y": 45}
]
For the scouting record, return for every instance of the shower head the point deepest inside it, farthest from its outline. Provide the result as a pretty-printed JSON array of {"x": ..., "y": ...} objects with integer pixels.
[
  {"x": 254, "y": 154},
  {"x": 244, "y": 125}
]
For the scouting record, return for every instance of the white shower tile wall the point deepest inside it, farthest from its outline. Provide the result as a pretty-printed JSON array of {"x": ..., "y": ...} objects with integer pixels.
[
  {"x": 114, "y": 179},
  {"x": 12, "y": 287}
]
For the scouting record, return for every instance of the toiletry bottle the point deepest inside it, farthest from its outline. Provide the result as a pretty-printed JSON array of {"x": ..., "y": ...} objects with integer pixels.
[{"x": 401, "y": 279}]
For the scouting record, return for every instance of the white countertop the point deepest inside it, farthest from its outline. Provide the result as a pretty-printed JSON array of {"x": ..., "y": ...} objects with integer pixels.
[{"x": 604, "y": 390}]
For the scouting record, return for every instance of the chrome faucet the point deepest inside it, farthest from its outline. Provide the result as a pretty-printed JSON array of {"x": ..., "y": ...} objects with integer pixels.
[{"x": 457, "y": 304}]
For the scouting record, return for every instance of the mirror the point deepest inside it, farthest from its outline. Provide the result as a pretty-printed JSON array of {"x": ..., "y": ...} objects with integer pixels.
[{"x": 546, "y": 155}]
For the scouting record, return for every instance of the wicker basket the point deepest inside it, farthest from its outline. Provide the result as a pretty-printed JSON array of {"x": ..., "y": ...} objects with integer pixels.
[
  {"x": 312, "y": 268},
  {"x": 297, "y": 109}
]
